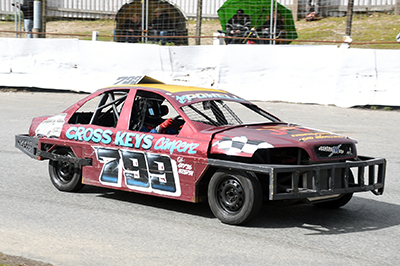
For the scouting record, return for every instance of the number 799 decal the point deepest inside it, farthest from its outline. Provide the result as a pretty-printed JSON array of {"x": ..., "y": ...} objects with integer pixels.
[{"x": 141, "y": 171}]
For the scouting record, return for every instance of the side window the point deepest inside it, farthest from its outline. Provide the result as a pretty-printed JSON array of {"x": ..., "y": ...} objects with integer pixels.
[
  {"x": 221, "y": 113},
  {"x": 103, "y": 110},
  {"x": 209, "y": 112},
  {"x": 150, "y": 113}
]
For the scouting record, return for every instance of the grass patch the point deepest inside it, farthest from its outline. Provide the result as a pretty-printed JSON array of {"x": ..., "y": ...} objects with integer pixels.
[
  {"x": 379, "y": 107},
  {"x": 376, "y": 27},
  {"x": 81, "y": 27}
]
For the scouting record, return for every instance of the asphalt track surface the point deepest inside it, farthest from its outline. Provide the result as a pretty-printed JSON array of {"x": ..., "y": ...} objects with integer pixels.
[{"x": 104, "y": 227}]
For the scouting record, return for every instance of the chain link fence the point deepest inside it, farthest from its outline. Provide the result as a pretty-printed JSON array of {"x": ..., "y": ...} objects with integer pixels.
[{"x": 374, "y": 23}]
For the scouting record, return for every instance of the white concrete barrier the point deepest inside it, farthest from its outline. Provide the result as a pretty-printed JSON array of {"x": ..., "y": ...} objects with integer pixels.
[{"x": 304, "y": 74}]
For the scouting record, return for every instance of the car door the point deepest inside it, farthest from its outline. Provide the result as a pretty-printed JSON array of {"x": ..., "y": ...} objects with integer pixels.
[
  {"x": 127, "y": 156},
  {"x": 94, "y": 126},
  {"x": 161, "y": 162}
]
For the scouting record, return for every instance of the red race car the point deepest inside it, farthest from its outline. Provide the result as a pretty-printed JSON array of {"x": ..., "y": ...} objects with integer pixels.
[{"x": 197, "y": 144}]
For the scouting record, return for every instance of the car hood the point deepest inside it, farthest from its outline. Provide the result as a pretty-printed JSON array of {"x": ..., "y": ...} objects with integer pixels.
[{"x": 245, "y": 140}]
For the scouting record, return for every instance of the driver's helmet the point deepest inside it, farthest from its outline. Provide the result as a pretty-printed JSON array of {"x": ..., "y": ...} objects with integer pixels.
[{"x": 153, "y": 113}]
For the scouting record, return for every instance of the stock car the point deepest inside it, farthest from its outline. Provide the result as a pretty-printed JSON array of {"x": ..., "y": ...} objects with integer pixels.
[{"x": 219, "y": 148}]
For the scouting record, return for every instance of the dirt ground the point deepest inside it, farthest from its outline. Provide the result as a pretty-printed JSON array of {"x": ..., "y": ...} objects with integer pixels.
[{"x": 19, "y": 261}]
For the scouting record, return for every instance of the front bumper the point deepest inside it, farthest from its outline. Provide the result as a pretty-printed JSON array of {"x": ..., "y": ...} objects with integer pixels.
[{"x": 368, "y": 172}]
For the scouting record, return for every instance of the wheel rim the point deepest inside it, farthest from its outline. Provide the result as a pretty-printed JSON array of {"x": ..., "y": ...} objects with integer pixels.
[
  {"x": 65, "y": 171},
  {"x": 230, "y": 195}
]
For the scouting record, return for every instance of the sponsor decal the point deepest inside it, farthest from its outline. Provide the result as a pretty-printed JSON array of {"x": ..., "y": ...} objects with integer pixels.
[
  {"x": 136, "y": 140},
  {"x": 308, "y": 134},
  {"x": 130, "y": 140},
  {"x": 52, "y": 126},
  {"x": 184, "y": 168},
  {"x": 320, "y": 135},
  {"x": 334, "y": 151},
  {"x": 89, "y": 134},
  {"x": 203, "y": 95},
  {"x": 331, "y": 149},
  {"x": 178, "y": 145}
]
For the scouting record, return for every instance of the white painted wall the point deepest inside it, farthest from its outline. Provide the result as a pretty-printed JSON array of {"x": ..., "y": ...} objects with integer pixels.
[{"x": 304, "y": 74}]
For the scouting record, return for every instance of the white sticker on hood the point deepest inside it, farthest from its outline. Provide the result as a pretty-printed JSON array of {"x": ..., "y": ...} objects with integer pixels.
[{"x": 52, "y": 126}]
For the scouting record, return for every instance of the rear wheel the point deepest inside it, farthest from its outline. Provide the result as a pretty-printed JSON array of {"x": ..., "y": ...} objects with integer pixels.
[
  {"x": 65, "y": 176},
  {"x": 234, "y": 198}
]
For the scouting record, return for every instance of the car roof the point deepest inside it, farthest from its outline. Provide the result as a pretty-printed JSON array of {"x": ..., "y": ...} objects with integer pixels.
[
  {"x": 166, "y": 88},
  {"x": 183, "y": 95}
]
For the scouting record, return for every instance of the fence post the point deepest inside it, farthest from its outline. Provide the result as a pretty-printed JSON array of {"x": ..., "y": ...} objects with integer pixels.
[
  {"x": 198, "y": 20},
  {"x": 397, "y": 8},
  {"x": 17, "y": 19},
  {"x": 95, "y": 35},
  {"x": 295, "y": 8},
  {"x": 37, "y": 17},
  {"x": 349, "y": 17},
  {"x": 43, "y": 17}
]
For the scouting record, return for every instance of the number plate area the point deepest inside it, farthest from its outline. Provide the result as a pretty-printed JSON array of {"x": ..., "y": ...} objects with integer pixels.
[{"x": 140, "y": 171}]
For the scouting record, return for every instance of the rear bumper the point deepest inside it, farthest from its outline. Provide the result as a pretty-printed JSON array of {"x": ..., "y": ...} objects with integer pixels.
[
  {"x": 368, "y": 172},
  {"x": 30, "y": 146}
]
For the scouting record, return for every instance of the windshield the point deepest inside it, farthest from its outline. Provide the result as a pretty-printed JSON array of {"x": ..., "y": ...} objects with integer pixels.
[{"x": 227, "y": 113}]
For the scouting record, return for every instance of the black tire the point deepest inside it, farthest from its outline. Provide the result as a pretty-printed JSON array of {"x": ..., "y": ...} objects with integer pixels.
[
  {"x": 65, "y": 176},
  {"x": 336, "y": 203},
  {"x": 234, "y": 197}
]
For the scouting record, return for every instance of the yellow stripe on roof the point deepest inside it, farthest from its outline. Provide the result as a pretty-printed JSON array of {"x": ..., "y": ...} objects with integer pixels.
[{"x": 170, "y": 88}]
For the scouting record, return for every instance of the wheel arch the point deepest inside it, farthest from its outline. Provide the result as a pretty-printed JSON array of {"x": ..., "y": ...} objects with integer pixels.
[
  {"x": 65, "y": 170},
  {"x": 202, "y": 184},
  {"x": 77, "y": 151},
  {"x": 51, "y": 151},
  {"x": 234, "y": 196}
]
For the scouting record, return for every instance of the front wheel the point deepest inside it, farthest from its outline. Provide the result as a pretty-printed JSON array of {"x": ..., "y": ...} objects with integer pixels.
[
  {"x": 234, "y": 197},
  {"x": 65, "y": 176},
  {"x": 342, "y": 200}
]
